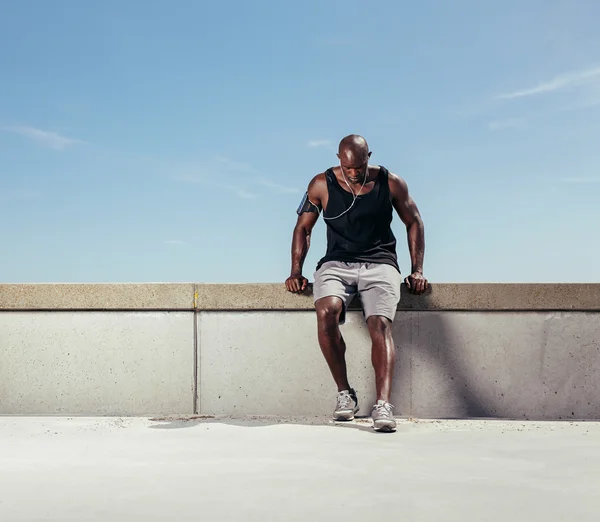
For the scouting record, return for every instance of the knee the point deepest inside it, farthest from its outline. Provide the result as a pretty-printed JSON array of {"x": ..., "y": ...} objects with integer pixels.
[
  {"x": 380, "y": 325},
  {"x": 328, "y": 312}
]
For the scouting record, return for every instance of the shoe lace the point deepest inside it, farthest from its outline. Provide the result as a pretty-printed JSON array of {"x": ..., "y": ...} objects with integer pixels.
[
  {"x": 384, "y": 409},
  {"x": 344, "y": 400}
]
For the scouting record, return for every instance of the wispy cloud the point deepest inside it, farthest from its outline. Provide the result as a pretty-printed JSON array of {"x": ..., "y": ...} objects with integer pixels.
[
  {"x": 238, "y": 177},
  {"x": 276, "y": 187},
  {"x": 201, "y": 179},
  {"x": 48, "y": 139},
  {"x": 511, "y": 123},
  {"x": 174, "y": 242},
  {"x": 581, "y": 181},
  {"x": 315, "y": 144},
  {"x": 241, "y": 193},
  {"x": 237, "y": 166},
  {"x": 561, "y": 82}
]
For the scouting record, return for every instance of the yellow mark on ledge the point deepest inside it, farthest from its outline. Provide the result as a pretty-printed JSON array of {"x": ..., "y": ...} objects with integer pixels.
[{"x": 196, "y": 299}]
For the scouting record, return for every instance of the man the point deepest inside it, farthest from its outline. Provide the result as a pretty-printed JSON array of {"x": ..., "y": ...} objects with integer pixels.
[{"x": 357, "y": 201}]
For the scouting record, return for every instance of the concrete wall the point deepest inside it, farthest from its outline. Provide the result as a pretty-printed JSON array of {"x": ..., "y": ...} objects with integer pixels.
[
  {"x": 504, "y": 351},
  {"x": 535, "y": 365},
  {"x": 98, "y": 363}
]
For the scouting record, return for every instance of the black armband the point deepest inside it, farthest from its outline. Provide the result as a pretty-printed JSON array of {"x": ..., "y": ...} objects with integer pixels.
[{"x": 306, "y": 205}]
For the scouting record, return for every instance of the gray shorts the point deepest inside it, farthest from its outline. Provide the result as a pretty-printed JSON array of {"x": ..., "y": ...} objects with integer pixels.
[{"x": 377, "y": 284}]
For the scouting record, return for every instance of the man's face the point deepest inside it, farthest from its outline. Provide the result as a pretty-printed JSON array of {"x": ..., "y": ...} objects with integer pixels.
[{"x": 354, "y": 167}]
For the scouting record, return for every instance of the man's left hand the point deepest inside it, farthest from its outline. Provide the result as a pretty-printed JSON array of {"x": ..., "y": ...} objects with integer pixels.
[{"x": 416, "y": 283}]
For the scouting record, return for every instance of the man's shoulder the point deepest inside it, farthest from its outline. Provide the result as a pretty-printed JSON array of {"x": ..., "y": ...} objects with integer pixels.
[
  {"x": 392, "y": 176},
  {"x": 396, "y": 183},
  {"x": 317, "y": 188},
  {"x": 319, "y": 178},
  {"x": 318, "y": 183}
]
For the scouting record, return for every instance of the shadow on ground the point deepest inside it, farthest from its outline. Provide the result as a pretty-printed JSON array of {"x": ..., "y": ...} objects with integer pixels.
[{"x": 363, "y": 424}]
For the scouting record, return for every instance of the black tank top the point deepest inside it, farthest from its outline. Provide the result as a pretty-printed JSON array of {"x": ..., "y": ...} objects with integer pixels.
[{"x": 364, "y": 233}]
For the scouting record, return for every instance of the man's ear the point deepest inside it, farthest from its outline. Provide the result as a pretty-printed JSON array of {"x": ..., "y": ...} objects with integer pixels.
[{"x": 370, "y": 154}]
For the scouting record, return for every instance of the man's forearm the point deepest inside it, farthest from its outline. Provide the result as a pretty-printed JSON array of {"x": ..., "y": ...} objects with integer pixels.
[
  {"x": 416, "y": 244},
  {"x": 300, "y": 246}
]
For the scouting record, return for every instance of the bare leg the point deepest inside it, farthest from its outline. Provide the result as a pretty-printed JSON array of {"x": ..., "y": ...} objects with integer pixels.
[
  {"x": 331, "y": 340},
  {"x": 383, "y": 354}
]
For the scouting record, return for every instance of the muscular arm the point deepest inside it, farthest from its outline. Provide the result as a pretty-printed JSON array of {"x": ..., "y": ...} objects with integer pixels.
[
  {"x": 301, "y": 240},
  {"x": 409, "y": 214},
  {"x": 301, "y": 236}
]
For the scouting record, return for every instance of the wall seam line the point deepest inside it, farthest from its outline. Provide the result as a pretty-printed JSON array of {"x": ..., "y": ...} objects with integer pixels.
[{"x": 195, "y": 398}]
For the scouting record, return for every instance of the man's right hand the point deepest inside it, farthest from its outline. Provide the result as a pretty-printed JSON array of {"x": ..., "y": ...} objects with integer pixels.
[{"x": 296, "y": 283}]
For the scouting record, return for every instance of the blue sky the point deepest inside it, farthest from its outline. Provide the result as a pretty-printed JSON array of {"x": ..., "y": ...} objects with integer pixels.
[{"x": 171, "y": 141}]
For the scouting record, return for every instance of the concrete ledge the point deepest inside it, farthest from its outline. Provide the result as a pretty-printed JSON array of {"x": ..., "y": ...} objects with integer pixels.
[
  {"x": 207, "y": 297},
  {"x": 445, "y": 296},
  {"x": 127, "y": 296}
]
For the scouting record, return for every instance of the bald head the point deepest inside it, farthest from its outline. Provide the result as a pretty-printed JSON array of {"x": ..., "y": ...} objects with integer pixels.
[
  {"x": 355, "y": 146},
  {"x": 354, "y": 157}
]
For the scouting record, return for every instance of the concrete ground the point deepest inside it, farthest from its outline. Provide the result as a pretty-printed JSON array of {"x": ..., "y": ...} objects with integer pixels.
[{"x": 130, "y": 469}]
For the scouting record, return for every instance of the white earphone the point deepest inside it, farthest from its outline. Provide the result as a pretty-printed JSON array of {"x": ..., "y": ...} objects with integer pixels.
[{"x": 355, "y": 195}]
